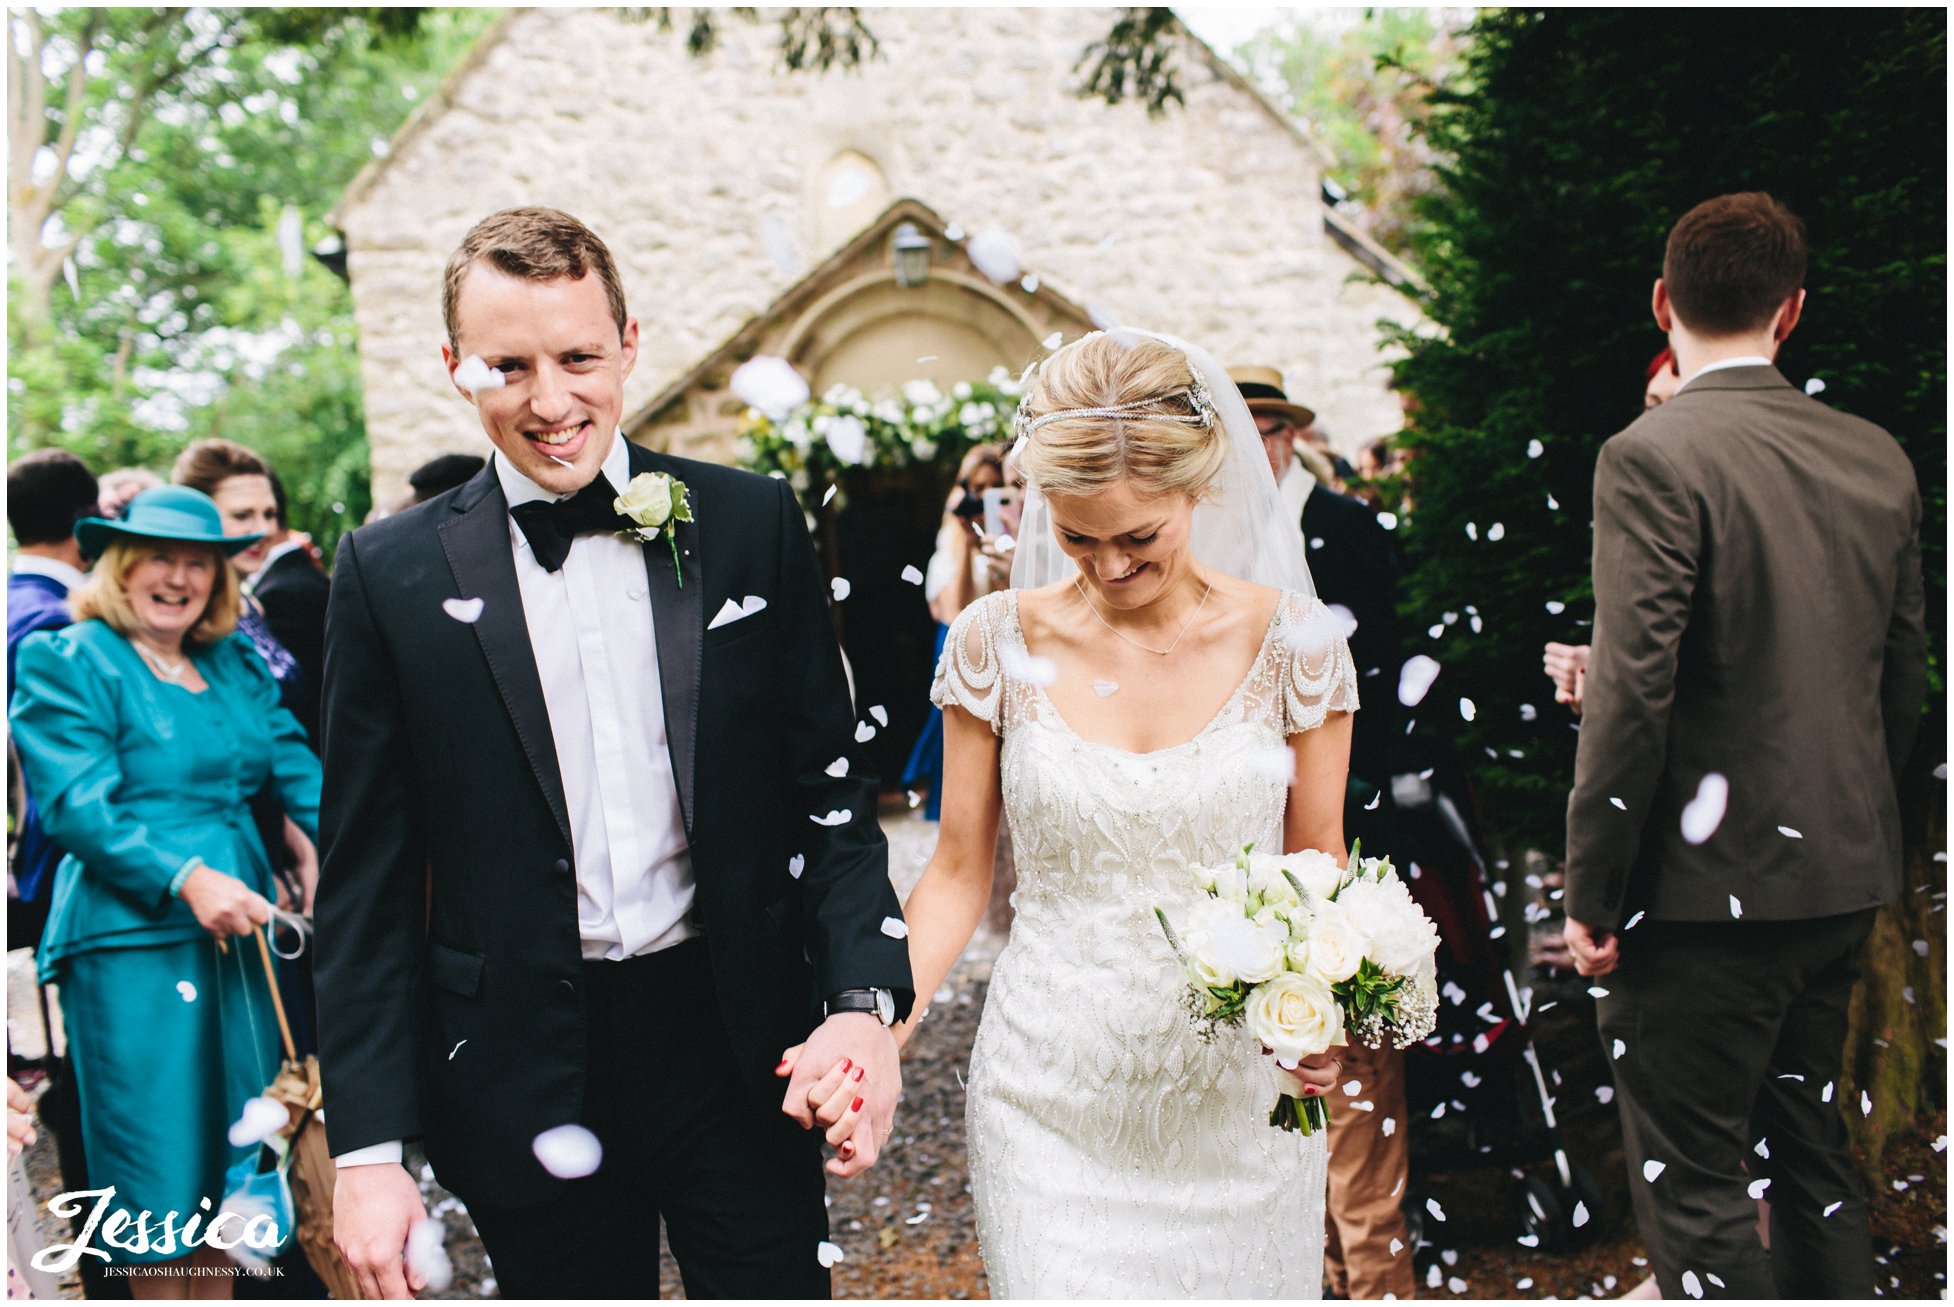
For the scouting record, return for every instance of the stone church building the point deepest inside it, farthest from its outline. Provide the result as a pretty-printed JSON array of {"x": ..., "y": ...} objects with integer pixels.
[
  {"x": 758, "y": 211},
  {"x": 831, "y": 219}
]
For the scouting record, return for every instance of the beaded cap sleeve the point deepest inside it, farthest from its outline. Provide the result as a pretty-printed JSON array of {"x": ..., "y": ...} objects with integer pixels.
[
  {"x": 1316, "y": 675},
  {"x": 971, "y": 673}
]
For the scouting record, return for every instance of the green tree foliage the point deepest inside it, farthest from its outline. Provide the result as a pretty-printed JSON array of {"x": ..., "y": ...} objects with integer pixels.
[
  {"x": 180, "y": 166},
  {"x": 1582, "y": 136},
  {"x": 1362, "y": 90}
]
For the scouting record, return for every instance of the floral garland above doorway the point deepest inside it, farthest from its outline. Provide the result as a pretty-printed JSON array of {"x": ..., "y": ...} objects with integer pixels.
[{"x": 918, "y": 425}]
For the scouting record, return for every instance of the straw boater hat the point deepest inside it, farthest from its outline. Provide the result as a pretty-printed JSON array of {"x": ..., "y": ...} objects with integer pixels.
[{"x": 1262, "y": 390}]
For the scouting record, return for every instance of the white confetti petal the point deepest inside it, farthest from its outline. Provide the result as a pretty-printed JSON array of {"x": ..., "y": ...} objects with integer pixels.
[
  {"x": 841, "y": 588},
  {"x": 1389, "y": 521},
  {"x": 261, "y": 1119},
  {"x": 468, "y": 611},
  {"x": 1715, "y": 1279},
  {"x": 455, "y": 1049},
  {"x": 1597, "y": 991},
  {"x": 1103, "y": 687},
  {"x": 1030, "y": 283},
  {"x": 1524, "y": 1283},
  {"x": 847, "y": 438},
  {"x": 1276, "y": 763},
  {"x": 1652, "y": 1168},
  {"x": 1757, "y": 1187},
  {"x": 879, "y": 713},
  {"x": 475, "y": 376},
  {"x": 427, "y": 1256},
  {"x": 1605, "y": 1093},
  {"x": 1825, "y": 1094},
  {"x": 1456, "y": 1285},
  {"x": 863, "y": 732},
  {"x": 1556, "y": 607},
  {"x": 1431, "y": 1205},
  {"x": 1496, "y": 532},
  {"x": 1814, "y": 386},
  {"x": 835, "y": 817},
  {"x": 1618, "y": 803},
  {"x": 1528, "y": 1241},
  {"x": 1790, "y": 834},
  {"x": 1736, "y": 906},
  {"x": 895, "y": 928},
  {"x": 1535, "y": 449},
  {"x": 995, "y": 252},
  {"x": 1390, "y": 1126},
  {"x": 1468, "y": 709},
  {"x": 1415, "y": 679},
  {"x": 1472, "y": 530},
  {"x": 187, "y": 990},
  {"x": 1691, "y": 1285},
  {"x": 1865, "y": 1103},
  {"x": 1034, "y": 669},
  {"x": 827, "y": 498},
  {"x": 1397, "y": 1246},
  {"x": 1619, "y": 1049},
  {"x": 568, "y": 1152},
  {"x": 1580, "y": 1217},
  {"x": 1632, "y": 920},
  {"x": 911, "y": 575},
  {"x": 1704, "y": 813},
  {"x": 796, "y": 865},
  {"x": 838, "y": 768},
  {"x": 1830, "y": 1208},
  {"x": 1054, "y": 340},
  {"x": 828, "y": 1254},
  {"x": 769, "y": 384},
  {"x": 1763, "y": 1149}
]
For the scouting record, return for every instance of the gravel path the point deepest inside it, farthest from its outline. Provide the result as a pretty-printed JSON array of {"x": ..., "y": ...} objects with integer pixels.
[{"x": 907, "y": 1230}]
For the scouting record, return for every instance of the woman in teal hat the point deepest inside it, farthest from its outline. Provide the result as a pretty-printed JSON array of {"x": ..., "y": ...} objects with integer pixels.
[{"x": 144, "y": 729}]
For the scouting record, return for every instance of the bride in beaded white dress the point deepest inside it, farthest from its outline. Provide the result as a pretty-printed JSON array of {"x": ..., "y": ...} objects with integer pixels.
[{"x": 1128, "y": 719}]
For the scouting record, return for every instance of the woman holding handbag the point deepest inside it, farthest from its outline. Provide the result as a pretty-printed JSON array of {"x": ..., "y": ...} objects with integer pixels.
[{"x": 145, "y": 728}]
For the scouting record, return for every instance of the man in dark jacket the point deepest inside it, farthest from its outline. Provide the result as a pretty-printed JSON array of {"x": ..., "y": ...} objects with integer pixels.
[{"x": 1758, "y": 667}]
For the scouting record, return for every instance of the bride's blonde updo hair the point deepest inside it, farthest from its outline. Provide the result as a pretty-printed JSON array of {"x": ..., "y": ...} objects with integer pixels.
[{"x": 1167, "y": 438}]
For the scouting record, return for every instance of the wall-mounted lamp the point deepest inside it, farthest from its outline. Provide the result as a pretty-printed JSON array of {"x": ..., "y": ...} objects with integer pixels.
[{"x": 910, "y": 252}]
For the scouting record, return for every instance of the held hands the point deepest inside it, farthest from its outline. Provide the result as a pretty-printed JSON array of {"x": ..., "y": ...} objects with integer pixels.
[
  {"x": 224, "y": 904},
  {"x": 853, "y": 1096},
  {"x": 373, "y": 1208},
  {"x": 1596, "y": 951}
]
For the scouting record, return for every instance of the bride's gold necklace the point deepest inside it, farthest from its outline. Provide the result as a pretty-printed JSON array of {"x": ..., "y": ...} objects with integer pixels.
[{"x": 1080, "y": 582}]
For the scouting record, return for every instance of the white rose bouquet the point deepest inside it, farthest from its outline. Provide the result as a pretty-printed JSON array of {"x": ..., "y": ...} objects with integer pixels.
[{"x": 1300, "y": 948}]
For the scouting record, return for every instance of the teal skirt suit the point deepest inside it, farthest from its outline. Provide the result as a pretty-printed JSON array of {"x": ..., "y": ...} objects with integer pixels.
[{"x": 136, "y": 776}]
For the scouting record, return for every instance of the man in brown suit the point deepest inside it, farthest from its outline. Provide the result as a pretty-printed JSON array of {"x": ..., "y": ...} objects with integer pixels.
[{"x": 1758, "y": 668}]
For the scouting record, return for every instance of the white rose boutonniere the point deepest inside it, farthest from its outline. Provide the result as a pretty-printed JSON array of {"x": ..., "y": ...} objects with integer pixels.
[{"x": 656, "y": 500}]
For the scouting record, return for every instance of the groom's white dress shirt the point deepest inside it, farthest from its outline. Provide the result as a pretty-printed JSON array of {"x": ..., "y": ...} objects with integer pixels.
[
  {"x": 1745, "y": 361},
  {"x": 592, "y": 631}
]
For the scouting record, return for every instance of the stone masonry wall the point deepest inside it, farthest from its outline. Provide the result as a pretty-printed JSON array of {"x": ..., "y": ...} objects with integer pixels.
[{"x": 1204, "y": 222}]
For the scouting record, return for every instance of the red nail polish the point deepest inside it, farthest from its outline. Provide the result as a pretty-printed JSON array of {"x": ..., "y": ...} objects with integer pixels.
[
  {"x": 860, "y": 1071},
  {"x": 855, "y": 1106},
  {"x": 846, "y": 1062},
  {"x": 847, "y": 1148},
  {"x": 782, "y": 1066}
]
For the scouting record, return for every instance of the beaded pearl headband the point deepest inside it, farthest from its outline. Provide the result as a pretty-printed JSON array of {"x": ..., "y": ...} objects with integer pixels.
[{"x": 1196, "y": 393}]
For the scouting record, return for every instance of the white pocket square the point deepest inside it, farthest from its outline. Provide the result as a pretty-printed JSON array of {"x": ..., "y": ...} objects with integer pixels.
[{"x": 732, "y": 612}]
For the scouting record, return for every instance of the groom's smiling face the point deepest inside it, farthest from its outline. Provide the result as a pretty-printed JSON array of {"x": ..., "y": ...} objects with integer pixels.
[{"x": 563, "y": 362}]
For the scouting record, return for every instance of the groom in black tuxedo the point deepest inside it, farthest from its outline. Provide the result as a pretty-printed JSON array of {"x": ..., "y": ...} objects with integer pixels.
[{"x": 593, "y": 855}]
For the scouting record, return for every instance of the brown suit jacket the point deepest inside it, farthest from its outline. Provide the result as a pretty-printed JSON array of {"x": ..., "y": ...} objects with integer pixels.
[{"x": 1758, "y": 613}]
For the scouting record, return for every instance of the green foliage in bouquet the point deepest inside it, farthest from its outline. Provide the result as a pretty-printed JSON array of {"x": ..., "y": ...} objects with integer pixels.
[{"x": 1369, "y": 998}]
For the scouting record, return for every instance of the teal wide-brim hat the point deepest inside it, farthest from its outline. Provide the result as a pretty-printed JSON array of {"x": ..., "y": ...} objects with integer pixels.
[{"x": 163, "y": 513}]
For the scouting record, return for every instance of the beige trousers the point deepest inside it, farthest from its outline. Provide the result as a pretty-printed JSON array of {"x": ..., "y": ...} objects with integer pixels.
[{"x": 1368, "y": 1170}]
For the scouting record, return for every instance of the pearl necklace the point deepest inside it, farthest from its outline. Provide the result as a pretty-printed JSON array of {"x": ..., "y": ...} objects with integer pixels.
[
  {"x": 1080, "y": 582},
  {"x": 165, "y": 668}
]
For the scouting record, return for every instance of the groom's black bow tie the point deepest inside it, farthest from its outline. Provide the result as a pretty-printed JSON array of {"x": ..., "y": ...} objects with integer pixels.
[{"x": 550, "y": 525}]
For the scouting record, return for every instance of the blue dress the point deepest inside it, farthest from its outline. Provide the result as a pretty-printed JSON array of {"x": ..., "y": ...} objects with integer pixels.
[{"x": 135, "y": 776}]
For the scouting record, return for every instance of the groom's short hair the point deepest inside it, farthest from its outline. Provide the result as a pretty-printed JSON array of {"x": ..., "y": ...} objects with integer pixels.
[
  {"x": 535, "y": 244},
  {"x": 1732, "y": 261}
]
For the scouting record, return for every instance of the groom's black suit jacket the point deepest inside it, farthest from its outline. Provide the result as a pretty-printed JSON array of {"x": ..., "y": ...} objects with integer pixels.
[{"x": 447, "y": 904}]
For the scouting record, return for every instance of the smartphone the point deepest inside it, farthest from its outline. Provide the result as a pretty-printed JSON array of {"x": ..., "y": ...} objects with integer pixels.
[{"x": 994, "y": 501}]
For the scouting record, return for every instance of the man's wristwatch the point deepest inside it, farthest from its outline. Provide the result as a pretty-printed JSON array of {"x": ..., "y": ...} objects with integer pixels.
[{"x": 878, "y": 1003}]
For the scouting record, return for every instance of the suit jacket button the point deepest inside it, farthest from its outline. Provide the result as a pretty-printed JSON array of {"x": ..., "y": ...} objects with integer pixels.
[
  {"x": 567, "y": 987},
  {"x": 562, "y": 866}
]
